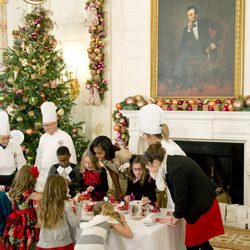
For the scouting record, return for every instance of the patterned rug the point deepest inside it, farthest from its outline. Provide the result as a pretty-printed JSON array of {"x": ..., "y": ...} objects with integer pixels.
[{"x": 233, "y": 239}]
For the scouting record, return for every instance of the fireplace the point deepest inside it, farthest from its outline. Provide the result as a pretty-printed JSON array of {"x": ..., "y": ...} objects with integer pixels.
[
  {"x": 223, "y": 162},
  {"x": 228, "y": 132}
]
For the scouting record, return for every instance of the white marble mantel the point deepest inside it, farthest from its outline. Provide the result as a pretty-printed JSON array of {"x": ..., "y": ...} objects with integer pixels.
[{"x": 203, "y": 126}]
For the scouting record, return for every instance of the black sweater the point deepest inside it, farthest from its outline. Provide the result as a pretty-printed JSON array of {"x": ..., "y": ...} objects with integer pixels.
[{"x": 192, "y": 191}]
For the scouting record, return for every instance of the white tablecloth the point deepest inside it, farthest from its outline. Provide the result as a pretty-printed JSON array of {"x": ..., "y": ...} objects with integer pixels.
[{"x": 155, "y": 237}]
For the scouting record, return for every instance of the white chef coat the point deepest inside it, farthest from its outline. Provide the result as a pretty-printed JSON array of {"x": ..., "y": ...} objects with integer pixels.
[
  {"x": 46, "y": 154},
  {"x": 11, "y": 158}
]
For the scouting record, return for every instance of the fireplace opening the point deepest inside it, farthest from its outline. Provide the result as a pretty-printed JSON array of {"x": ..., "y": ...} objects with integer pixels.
[{"x": 223, "y": 162}]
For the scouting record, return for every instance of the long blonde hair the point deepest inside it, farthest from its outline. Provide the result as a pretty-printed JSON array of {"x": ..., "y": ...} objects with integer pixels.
[
  {"x": 106, "y": 209},
  {"x": 23, "y": 181},
  {"x": 93, "y": 159},
  {"x": 50, "y": 211}
]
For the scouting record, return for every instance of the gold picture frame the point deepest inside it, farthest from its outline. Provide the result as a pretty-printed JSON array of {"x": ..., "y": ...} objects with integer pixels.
[{"x": 174, "y": 73}]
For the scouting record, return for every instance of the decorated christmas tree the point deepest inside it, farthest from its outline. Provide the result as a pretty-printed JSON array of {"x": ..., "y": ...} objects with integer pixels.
[{"x": 33, "y": 71}]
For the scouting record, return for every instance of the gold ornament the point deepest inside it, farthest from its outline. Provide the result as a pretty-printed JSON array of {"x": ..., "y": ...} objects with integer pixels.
[
  {"x": 247, "y": 100},
  {"x": 97, "y": 51},
  {"x": 138, "y": 97},
  {"x": 60, "y": 112},
  {"x": 130, "y": 100},
  {"x": 43, "y": 71},
  {"x": 238, "y": 104},
  {"x": 97, "y": 78},
  {"x": 98, "y": 58},
  {"x": 74, "y": 89},
  {"x": 38, "y": 125},
  {"x": 33, "y": 76},
  {"x": 31, "y": 113},
  {"x": 100, "y": 27},
  {"x": 140, "y": 103},
  {"x": 101, "y": 43}
]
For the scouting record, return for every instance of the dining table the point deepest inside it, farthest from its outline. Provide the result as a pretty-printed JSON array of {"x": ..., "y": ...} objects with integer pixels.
[{"x": 156, "y": 236}]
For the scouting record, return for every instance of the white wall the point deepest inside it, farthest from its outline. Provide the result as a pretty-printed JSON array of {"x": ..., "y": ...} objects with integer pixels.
[{"x": 128, "y": 52}]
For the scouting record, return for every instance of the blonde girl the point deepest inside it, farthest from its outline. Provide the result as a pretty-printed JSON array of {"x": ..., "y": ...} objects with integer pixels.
[
  {"x": 55, "y": 216},
  {"x": 21, "y": 230},
  {"x": 95, "y": 233},
  {"x": 95, "y": 179}
]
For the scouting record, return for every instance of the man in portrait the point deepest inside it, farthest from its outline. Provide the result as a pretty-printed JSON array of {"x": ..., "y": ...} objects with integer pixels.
[{"x": 198, "y": 52}]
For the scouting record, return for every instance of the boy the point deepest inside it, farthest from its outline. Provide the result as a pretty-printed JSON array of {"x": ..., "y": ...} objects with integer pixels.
[{"x": 70, "y": 171}]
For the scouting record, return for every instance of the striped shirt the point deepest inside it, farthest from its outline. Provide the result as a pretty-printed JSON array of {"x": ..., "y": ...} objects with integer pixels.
[{"x": 94, "y": 233}]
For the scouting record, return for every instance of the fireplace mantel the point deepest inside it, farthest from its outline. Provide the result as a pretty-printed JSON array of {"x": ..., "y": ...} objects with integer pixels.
[{"x": 201, "y": 126}]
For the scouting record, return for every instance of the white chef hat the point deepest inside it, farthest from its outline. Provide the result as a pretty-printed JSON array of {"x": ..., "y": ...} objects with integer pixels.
[
  {"x": 49, "y": 112},
  {"x": 4, "y": 123},
  {"x": 150, "y": 118}
]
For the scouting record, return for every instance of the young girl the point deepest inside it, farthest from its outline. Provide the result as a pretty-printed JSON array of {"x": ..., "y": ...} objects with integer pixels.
[
  {"x": 96, "y": 231},
  {"x": 21, "y": 231},
  {"x": 55, "y": 216},
  {"x": 112, "y": 158},
  {"x": 95, "y": 179},
  {"x": 140, "y": 184}
]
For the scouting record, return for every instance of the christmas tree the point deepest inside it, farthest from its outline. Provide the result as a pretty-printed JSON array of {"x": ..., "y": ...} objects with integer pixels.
[{"x": 33, "y": 71}]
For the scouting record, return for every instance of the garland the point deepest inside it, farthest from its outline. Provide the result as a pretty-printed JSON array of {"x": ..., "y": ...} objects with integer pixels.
[
  {"x": 137, "y": 102},
  {"x": 96, "y": 85}
]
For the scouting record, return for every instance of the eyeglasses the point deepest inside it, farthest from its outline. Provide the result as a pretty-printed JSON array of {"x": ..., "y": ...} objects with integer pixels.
[
  {"x": 48, "y": 125},
  {"x": 137, "y": 169},
  {"x": 6, "y": 138}
]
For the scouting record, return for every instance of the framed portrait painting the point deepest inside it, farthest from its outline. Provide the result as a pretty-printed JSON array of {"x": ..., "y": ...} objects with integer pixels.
[{"x": 197, "y": 48}]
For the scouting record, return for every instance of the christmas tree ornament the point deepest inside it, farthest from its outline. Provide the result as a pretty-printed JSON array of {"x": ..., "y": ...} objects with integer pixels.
[
  {"x": 26, "y": 89},
  {"x": 38, "y": 125},
  {"x": 2, "y": 98},
  {"x": 19, "y": 119},
  {"x": 33, "y": 100}
]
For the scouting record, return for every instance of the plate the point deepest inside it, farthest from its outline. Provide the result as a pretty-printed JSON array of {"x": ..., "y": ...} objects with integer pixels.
[
  {"x": 148, "y": 223},
  {"x": 17, "y": 136}
]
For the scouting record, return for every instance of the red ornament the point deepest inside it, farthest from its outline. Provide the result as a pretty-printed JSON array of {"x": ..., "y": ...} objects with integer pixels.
[
  {"x": 117, "y": 128},
  {"x": 118, "y": 106}
]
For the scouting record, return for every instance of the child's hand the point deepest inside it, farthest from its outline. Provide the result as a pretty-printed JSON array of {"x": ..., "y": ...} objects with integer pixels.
[
  {"x": 90, "y": 189},
  {"x": 122, "y": 217},
  {"x": 145, "y": 200},
  {"x": 34, "y": 196},
  {"x": 127, "y": 198}
]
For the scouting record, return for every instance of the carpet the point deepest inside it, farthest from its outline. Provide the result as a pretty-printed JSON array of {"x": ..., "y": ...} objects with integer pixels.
[{"x": 234, "y": 238}]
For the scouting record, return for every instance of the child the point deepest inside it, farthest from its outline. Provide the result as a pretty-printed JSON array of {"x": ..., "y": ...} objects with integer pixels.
[
  {"x": 21, "y": 231},
  {"x": 140, "y": 184},
  {"x": 5, "y": 210},
  {"x": 96, "y": 231},
  {"x": 56, "y": 216},
  {"x": 94, "y": 177},
  {"x": 68, "y": 170},
  {"x": 112, "y": 158}
]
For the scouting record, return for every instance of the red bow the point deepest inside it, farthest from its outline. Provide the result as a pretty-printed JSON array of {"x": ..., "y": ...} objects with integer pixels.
[{"x": 34, "y": 171}]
